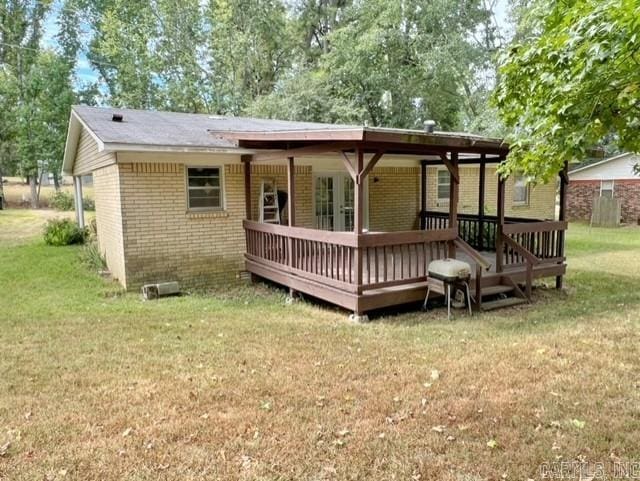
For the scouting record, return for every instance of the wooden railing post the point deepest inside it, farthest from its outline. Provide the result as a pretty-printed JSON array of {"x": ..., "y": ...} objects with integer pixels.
[
  {"x": 500, "y": 225},
  {"x": 483, "y": 170},
  {"x": 564, "y": 180},
  {"x": 454, "y": 190},
  {"x": 246, "y": 161},
  {"x": 358, "y": 217},
  {"x": 423, "y": 194}
]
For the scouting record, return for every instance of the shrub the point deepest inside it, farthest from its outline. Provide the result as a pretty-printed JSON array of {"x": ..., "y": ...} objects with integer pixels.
[
  {"x": 64, "y": 201},
  {"x": 61, "y": 200},
  {"x": 92, "y": 256},
  {"x": 63, "y": 232},
  {"x": 88, "y": 204}
]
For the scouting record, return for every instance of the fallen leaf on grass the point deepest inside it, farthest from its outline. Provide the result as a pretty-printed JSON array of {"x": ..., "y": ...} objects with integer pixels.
[
  {"x": 435, "y": 374},
  {"x": 492, "y": 443},
  {"x": 4, "y": 448},
  {"x": 265, "y": 406},
  {"x": 578, "y": 424},
  {"x": 438, "y": 429},
  {"x": 127, "y": 432},
  {"x": 344, "y": 432}
]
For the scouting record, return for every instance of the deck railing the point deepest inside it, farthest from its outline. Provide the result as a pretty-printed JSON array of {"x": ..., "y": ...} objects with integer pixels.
[
  {"x": 531, "y": 245},
  {"x": 344, "y": 260},
  {"x": 479, "y": 233}
]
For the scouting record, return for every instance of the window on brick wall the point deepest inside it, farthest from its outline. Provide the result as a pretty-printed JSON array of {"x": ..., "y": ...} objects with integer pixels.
[
  {"x": 204, "y": 188},
  {"x": 444, "y": 183},
  {"x": 606, "y": 188},
  {"x": 520, "y": 190}
]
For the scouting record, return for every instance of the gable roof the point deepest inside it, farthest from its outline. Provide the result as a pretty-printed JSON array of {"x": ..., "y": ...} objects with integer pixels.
[
  {"x": 591, "y": 165},
  {"x": 146, "y": 130}
]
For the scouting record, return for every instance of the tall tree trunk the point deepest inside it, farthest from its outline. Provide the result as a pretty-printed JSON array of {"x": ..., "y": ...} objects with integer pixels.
[
  {"x": 33, "y": 184},
  {"x": 56, "y": 181}
]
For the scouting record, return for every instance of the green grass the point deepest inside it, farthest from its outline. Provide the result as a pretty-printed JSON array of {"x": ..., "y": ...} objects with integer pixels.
[{"x": 234, "y": 384}]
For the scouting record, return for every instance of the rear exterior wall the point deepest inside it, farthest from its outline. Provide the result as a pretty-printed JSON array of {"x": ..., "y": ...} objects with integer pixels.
[{"x": 581, "y": 193}]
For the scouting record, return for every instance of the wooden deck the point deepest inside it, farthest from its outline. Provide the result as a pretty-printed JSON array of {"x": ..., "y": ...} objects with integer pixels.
[{"x": 363, "y": 272}]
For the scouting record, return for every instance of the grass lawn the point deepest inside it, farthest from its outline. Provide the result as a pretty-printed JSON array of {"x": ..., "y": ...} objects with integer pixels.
[{"x": 97, "y": 385}]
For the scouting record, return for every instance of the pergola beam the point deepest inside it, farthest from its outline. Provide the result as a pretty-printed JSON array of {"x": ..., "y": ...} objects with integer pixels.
[{"x": 372, "y": 163}]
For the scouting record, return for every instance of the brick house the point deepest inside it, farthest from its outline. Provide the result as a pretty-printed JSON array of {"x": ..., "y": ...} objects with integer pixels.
[
  {"x": 174, "y": 191},
  {"x": 612, "y": 177}
]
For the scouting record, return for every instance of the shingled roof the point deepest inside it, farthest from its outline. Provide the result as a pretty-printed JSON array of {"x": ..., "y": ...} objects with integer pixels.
[{"x": 155, "y": 130}]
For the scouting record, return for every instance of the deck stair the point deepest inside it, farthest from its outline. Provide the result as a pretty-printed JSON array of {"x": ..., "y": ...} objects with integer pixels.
[{"x": 501, "y": 295}]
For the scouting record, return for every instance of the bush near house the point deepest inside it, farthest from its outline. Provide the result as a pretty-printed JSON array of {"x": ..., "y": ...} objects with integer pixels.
[
  {"x": 63, "y": 200},
  {"x": 63, "y": 232}
]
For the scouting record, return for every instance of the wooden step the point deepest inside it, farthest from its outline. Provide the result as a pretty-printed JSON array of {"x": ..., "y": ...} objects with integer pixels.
[
  {"x": 500, "y": 303},
  {"x": 495, "y": 290}
]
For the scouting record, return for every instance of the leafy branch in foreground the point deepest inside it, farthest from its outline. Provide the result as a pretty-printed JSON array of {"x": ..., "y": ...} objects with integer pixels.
[{"x": 575, "y": 83}]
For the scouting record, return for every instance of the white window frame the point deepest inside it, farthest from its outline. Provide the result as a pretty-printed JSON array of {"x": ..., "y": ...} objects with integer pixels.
[
  {"x": 443, "y": 200},
  {"x": 222, "y": 206},
  {"x": 613, "y": 186},
  {"x": 527, "y": 191}
]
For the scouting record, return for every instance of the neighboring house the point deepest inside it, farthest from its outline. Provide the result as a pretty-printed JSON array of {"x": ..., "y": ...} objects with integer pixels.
[
  {"x": 175, "y": 194},
  {"x": 612, "y": 177}
]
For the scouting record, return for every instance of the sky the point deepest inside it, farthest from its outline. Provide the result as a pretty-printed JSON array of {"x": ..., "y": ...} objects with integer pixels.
[{"x": 86, "y": 74}]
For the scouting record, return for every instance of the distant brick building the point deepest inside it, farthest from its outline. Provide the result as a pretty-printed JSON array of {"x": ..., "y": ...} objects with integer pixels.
[{"x": 612, "y": 177}]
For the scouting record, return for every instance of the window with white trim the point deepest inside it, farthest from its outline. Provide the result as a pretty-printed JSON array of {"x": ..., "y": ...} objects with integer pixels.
[
  {"x": 444, "y": 184},
  {"x": 204, "y": 188},
  {"x": 520, "y": 190},
  {"x": 606, "y": 188}
]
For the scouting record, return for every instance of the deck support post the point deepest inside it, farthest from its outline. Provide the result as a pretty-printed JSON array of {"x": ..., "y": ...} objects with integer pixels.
[
  {"x": 562, "y": 215},
  {"x": 358, "y": 218},
  {"x": 500, "y": 226},
  {"x": 246, "y": 161},
  {"x": 77, "y": 196},
  {"x": 481, "y": 186},
  {"x": 423, "y": 194},
  {"x": 291, "y": 216},
  {"x": 454, "y": 190}
]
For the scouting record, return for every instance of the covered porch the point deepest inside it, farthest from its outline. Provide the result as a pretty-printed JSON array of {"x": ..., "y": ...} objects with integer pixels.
[{"x": 362, "y": 270}]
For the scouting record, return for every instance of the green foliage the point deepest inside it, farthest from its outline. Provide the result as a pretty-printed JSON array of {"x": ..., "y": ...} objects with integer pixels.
[
  {"x": 88, "y": 204},
  {"x": 572, "y": 83},
  {"x": 63, "y": 232},
  {"x": 92, "y": 257},
  {"x": 64, "y": 201},
  {"x": 61, "y": 200}
]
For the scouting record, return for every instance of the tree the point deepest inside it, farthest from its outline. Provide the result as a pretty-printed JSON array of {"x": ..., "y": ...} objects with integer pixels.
[
  {"x": 571, "y": 84},
  {"x": 387, "y": 63},
  {"x": 42, "y": 117}
]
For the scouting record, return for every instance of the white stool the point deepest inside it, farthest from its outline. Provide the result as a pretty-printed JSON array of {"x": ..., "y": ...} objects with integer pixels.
[{"x": 446, "y": 273}]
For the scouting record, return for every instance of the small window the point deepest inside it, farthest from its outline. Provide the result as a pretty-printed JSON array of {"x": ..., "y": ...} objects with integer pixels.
[
  {"x": 520, "y": 190},
  {"x": 606, "y": 188},
  {"x": 204, "y": 188},
  {"x": 444, "y": 184}
]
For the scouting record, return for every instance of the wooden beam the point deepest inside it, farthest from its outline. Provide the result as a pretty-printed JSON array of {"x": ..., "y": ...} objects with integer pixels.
[
  {"x": 423, "y": 194},
  {"x": 481, "y": 186},
  {"x": 246, "y": 161},
  {"x": 500, "y": 225},
  {"x": 453, "y": 169},
  {"x": 350, "y": 168},
  {"x": 372, "y": 163},
  {"x": 562, "y": 215},
  {"x": 469, "y": 161},
  {"x": 314, "y": 149},
  {"x": 454, "y": 192},
  {"x": 291, "y": 189},
  {"x": 358, "y": 219}
]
